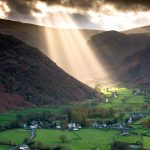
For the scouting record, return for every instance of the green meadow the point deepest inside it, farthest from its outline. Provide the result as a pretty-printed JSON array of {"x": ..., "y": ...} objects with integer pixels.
[
  {"x": 16, "y": 135},
  {"x": 85, "y": 139},
  {"x": 90, "y": 138},
  {"x": 9, "y": 116}
]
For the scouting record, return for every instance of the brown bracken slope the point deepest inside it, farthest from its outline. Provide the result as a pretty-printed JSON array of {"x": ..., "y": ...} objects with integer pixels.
[{"x": 29, "y": 77}]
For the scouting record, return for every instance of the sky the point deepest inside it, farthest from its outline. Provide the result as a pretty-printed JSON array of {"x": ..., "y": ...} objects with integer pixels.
[{"x": 86, "y": 14}]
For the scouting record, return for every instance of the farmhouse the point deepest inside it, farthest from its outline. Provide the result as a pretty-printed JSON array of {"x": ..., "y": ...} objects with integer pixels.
[
  {"x": 58, "y": 127},
  {"x": 114, "y": 94},
  {"x": 124, "y": 133},
  {"x": 74, "y": 126},
  {"x": 135, "y": 116},
  {"x": 135, "y": 147},
  {"x": 24, "y": 147}
]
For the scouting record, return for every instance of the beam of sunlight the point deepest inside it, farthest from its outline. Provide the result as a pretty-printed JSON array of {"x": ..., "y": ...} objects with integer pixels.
[
  {"x": 69, "y": 50},
  {"x": 4, "y": 9}
]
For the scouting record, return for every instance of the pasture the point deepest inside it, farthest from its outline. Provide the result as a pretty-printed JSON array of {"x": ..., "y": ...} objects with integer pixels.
[
  {"x": 11, "y": 115},
  {"x": 90, "y": 138},
  {"x": 15, "y": 136},
  {"x": 119, "y": 102},
  {"x": 4, "y": 147}
]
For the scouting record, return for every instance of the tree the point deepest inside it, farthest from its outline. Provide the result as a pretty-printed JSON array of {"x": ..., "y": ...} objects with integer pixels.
[
  {"x": 118, "y": 145},
  {"x": 63, "y": 138},
  {"x": 147, "y": 123},
  {"x": 78, "y": 115}
]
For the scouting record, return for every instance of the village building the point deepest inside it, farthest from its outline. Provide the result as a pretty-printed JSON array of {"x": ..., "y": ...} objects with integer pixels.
[
  {"x": 74, "y": 126},
  {"x": 24, "y": 147}
]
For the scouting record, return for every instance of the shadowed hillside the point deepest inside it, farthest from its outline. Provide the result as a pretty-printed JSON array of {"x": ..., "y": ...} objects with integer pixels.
[
  {"x": 120, "y": 51},
  {"x": 34, "y": 35},
  {"x": 145, "y": 29},
  {"x": 111, "y": 48},
  {"x": 137, "y": 68},
  {"x": 28, "y": 73}
]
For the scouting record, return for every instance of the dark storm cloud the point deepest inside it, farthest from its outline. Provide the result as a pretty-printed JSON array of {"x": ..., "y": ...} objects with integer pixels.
[
  {"x": 84, "y": 4},
  {"x": 88, "y": 4},
  {"x": 26, "y": 6},
  {"x": 130, "y": 4},
  {"x": 21, "y": 6}
]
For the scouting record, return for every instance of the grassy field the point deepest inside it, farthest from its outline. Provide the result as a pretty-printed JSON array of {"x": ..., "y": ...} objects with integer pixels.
[
  {"x": 128, "y": 139},
  {"x": 89, "y": 138},
  {"x": 16, "y": 135},
  {"x": 117, "y": 103},
  {"x": 3, "y": 147},
  {"x": 146, "y": 141},
  {"x": 11, "y": 115}
]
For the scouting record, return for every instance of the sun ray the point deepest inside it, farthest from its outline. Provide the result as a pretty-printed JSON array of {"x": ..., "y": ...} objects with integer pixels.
[{"x": 69, "y": 49}]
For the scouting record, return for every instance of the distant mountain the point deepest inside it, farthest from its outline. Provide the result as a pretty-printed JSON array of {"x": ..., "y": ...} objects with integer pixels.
[
  {"x": 28, "y": 77},
  {"x": 137, "y": 68},
  {"x": 53, "y": 42},
  {"x": 145, "y": 29},
  {"x": 111, "y": 48},
  {"x": 115, "y": 48},
  {"x": 34, "y": 35}
]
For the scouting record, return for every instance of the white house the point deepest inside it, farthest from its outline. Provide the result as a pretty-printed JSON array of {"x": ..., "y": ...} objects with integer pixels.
[
  {"x": 58, "y": 127},
  {"x": 107, "y": 100},
  {"x": 24, "y": 147},
  {"x": 71, "y": 125},
  {"x": 74, "y": 126},
  {"x": 130, "y": 120},
  {"x": 33, "y": 126}
]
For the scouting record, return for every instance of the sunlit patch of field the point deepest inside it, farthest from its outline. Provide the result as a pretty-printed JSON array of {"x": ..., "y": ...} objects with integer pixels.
[{"x": 122, "y": 93}]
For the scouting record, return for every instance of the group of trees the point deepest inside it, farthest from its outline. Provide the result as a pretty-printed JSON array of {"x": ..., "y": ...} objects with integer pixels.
[
  {"x": 39, "y": 145},
  {"x": 147, "y": 123},
  {"x": 45, "y": 116},
  {"x": 120, "y": 145},
  {"x": 78, "y": 115},
  {"x": 82, "y": 115},
  {"x": 117, "y": 145},
  {"x": 9, "y": 143},
  {"x": 9, "y": 125}
]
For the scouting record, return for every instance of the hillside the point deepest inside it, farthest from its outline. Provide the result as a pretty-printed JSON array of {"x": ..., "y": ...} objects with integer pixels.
[
  {"x": 112, "y": 48},
  {"x": 34, "y": 78},
  {"x": 145, "y": 29},
  {"x": 11, "y": 100},
  {"x": 30, "y": 33},
  {"x": 137, "y": 68},
  {"x": 115, "y": 48}
]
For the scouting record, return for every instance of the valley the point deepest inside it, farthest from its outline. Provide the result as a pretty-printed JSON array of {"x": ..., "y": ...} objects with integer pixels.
[
  {"x": 119, "y": 115},
  {"x": 43, "y": 106}
]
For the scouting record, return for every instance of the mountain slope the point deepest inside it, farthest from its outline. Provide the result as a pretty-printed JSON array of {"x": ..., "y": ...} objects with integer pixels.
[
  {"x": 145, "y": 29},
  {"x": 137, "y": 68},
  {"x": 27, "y": 72},
  {"x": 11, "y": 100},
  {"x": 114, "y": 48},
  {"x": 34, "y": 35}
]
